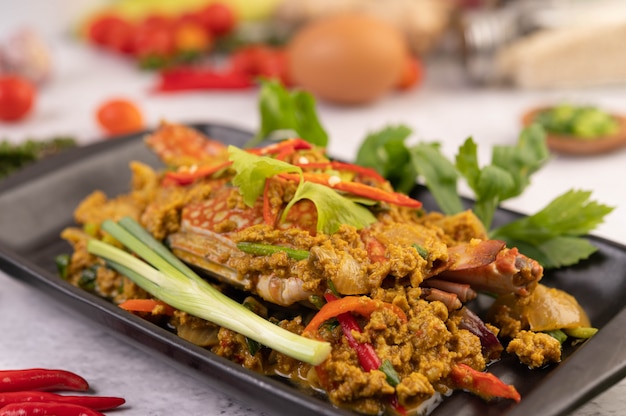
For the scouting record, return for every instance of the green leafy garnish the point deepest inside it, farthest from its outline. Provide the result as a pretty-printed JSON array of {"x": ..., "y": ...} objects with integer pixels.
[
  {"x": 553, "y": 235},
  {"x": 253, "y": 171},
  {"x": 333, "y": 209},
  {"x": 286, "y": 114},
  {"x": 386, "y": 152},
  {"x": 167, "y": 278}
]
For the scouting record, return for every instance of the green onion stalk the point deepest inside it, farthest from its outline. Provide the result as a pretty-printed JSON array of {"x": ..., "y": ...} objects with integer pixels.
[{"x": 167, "y": 278}]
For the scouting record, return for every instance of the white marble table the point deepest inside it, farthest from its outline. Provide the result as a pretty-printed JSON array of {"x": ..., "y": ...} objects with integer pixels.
[{"x": 36, "y": 331}]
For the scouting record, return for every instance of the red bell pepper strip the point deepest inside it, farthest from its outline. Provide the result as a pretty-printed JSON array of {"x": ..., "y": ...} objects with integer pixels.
[
  {"x": 185, "y": 177},
  {"x": 92, "y": 402},
  {"x": 361, "y": 305},
  {"x": 41, "y": 379},
  {"x": 357, "y": 188},
  {"x": 47, "y": 409},
  {"x": 186, "y": 79},
  {"x": 146, "y": 305},
  {"x": 485, "y": 385},
  {"x": 342, "y": 166}
]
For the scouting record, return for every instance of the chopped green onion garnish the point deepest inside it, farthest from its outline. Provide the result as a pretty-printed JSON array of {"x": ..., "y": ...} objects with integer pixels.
[
  {"x": 392, "y": 376},
  {"x": 167, "y": 278},
  {"x": 581, "y": 332},
  {"x": 259, "y": 249},
  {"x": 558, "y": 335},
  {"x": 421, "y": 251}
]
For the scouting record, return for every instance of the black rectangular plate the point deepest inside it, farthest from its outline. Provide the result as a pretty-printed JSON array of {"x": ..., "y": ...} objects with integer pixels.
[{"x": 37, "y": 203}]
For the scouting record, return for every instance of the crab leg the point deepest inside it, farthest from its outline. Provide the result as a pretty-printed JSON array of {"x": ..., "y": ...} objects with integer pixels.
[{"x": 489, "y": 266}]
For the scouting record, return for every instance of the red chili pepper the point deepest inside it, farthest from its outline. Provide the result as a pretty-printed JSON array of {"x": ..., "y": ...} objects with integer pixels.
[
  {"x": 357, "y": 188},
  {"x": 184, "y": 78},
  {"x": 290, "y": 144},
  {"x": 92, "y": 402},
  {"x": 41, "y": 379},
  {"x": 185, "y": 177},
  {"x": 359, "y": 304},
  {"x": 349, "y": 167},
  {"x": 485, "y": 385},
  {"x": 146, "y": 305},
  {"x": 368, "y": 359},
  {"x": 47, "y": 409}
]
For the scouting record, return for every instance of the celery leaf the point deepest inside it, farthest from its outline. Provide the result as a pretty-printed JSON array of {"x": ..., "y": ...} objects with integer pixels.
[
  {"x": 252, "y": 172},
  {"x": 333, "y": 209}
]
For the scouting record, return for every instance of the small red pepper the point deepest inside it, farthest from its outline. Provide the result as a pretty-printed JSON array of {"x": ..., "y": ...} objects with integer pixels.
[
  {"x": 146, "y": 305},
  {"x": 189, "y": 79},
  {"x": 92, "y": 402},
  {"x": 41, "y": 379},
  {"x": 343, "y": 166},
  {"x": 185, "y": 177},
  {"x": 47, "y": 409},
  {"x": 485, "y": 385},
  {"x": 357, "y": 188},
  {"x": 368, "y": 359},
  {"x": 291, "y": 144}
]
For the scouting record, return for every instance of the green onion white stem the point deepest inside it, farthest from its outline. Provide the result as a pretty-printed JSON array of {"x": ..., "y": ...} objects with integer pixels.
[{"x": 171, "y": 281}]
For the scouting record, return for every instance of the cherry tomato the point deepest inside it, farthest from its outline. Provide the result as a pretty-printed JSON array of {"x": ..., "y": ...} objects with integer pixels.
[
  {"x": 261, "y": 60},
  {"x": 17, "y": 96},
  {"x": 112, "y": 32},
  {"x": 191, "y": 38},
  {"x": 412, "y": 73},
  {"x": 119, "y": 116},
  {"x": 218, "y": 18}
]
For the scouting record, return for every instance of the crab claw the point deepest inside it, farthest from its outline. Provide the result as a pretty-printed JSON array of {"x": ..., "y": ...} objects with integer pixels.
[{"x": 489, "y": 266}]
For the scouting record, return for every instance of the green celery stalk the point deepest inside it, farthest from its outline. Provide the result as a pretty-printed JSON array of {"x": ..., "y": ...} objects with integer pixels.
[{"x": 171, "y": 281}]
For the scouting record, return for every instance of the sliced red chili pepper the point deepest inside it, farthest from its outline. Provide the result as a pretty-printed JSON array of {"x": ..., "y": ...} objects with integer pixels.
[
  {"x": 92, "y": 402},
  {"x": 361, "y": 305},
  {"x": 291, "y": 144},
  {"x": 185, "y": 177},
  {"x": 368, "y": 359},
  {"x": 185, "y": 78},
  {"x": 47, "y": 409},
  {"x": 485, "y": 385},
  {"x": 41, "y": 379},
  {"x": 356, "y": 188},
  {"x": 146, "y": 305},
  {"x": 343, "y": 166}
]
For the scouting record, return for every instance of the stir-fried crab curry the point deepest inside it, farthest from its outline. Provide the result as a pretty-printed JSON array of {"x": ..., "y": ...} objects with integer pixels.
[{"x": 329, "y": 251}]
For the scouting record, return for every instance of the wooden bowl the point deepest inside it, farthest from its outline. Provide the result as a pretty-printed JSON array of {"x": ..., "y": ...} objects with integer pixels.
[{"x": 571, "y": 145}]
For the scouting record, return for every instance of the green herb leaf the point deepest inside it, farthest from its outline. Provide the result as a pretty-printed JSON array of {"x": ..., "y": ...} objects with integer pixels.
[
  {"x": 253, "y": 170},
  {"x": 522, "y": 160},
  {"x": 552, "y": 235},
  {"x": 386, "y": 152},
  {"x": 333, "y": 209},
  {"x": 439, "y": 174},
  {"x": 292, "y": 113}
]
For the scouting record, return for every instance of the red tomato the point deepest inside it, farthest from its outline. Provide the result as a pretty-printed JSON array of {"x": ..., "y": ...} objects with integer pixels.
[
  {"x": 17, "y": 96},
  {"x": 218, "y": 18},
  {"x": 112, "y": 32},
  {"x": 412, "y": 73},
  {"x": 119, "y": 116},
  {"x": 261, "y": 60},
  {"x": 153, "y": 41}
]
